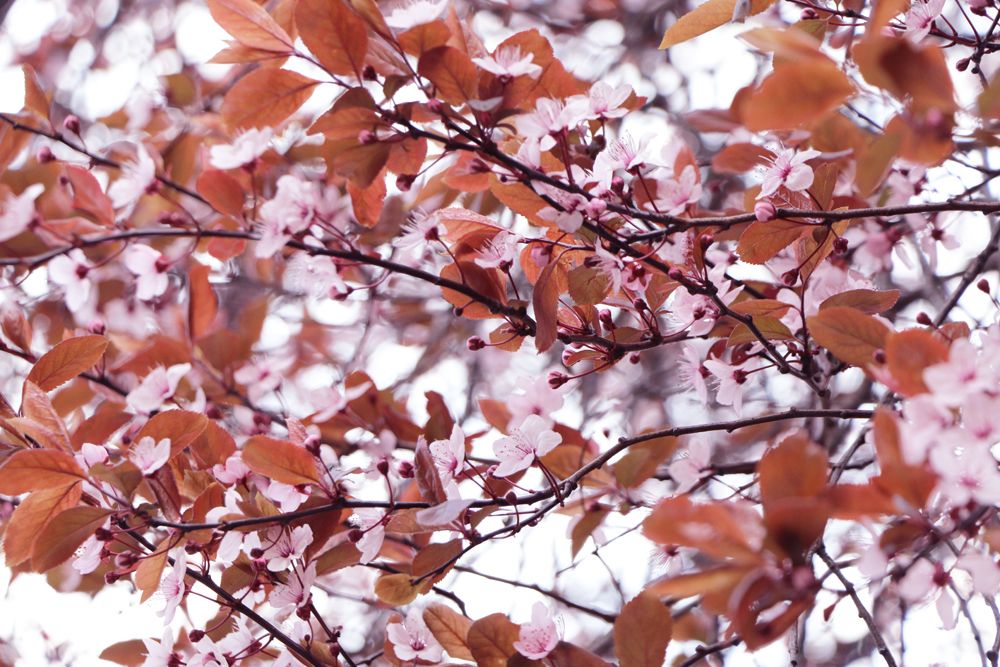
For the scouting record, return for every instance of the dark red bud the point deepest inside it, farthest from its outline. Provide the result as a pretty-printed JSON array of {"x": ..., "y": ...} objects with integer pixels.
[
  {"x": 475, "y": 343},
  {"x": 44, "y": 155},
  {"x": 72, "y": 124}
]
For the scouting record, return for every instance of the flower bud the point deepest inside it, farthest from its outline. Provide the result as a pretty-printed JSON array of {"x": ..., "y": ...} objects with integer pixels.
[
  {"x": 435, "y": 105},
  {"x": 72, "y": 124},
  {"x": 840, "y": 245},
  {"x": 367, "y": 137},
  {"x": 983, "y": 285},
  {"x": 355, "y": 535},
  {"x": 256, "y": 553},
  {"x": 475, "y": 343},
  {"x": 790, "y": 277},
  {"x": 405, "y": 181},
  {"x": 557, "y": 379},
  {"x": 196, "y": 635},
  {"x": 369, "y": 73},
  {"x": 809, "y": 14},
  {"x": 924, "y": 319},
  {"x": 111, "y": 577},
  {"x": 383, "y": 467},
  {"x": 44, "y": 155},
  {"x": 633, "y": 358},
  {"x": 97, "y": 327},
  {"x": 406, "y": 470},
  {"x": 764, "y": 211}
]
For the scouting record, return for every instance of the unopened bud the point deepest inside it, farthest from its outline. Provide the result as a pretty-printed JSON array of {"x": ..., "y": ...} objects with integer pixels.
[
  {"x": 405, "y": 181},
  {"x": 557, "y": 379},
  {"x": 72, "y": 124},
  {"x": 706, "y": 241},
  {"x": 256, "y": 553},
  {"x": 511, "y": 497},
  {"x": 367, "y": 137},
  {"x": 406, "y": 470},
  {"x": 44, "y": 155},
  {"x": 97, "y": 327},
  {"x": 878, "y": 356},
  {"x": 962, "y": 64},
  {"x": 764, "y": 211},
  {"x": 475, "y": 343},
  {"x": 809, "y": 14},
  {"x": 983, "y": 285},
  {"x": 790, "y": 277},
  {"x": 633, "y": 358},
  {"x": 369, "y": 73},
  {"x": 196, "y": 635},
  {"x": 111, "y": 577},
  {"x": 675, "y": 274},
  {"x": 355, "y": 535},
  {"x": 435, "y": 105},
  {"x": 383, "y": 467},
  {"x": 840, "y": 245},
  {"x": 924, "y": 319}
]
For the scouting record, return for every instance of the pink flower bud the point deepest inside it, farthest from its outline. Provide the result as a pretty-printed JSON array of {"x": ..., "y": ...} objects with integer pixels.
[
  {"x": 764, "y": 211},
  {"x": 367, "y": 137},
  {"x": 44, "y": 155},
  {"x": 72, "y": 124}
]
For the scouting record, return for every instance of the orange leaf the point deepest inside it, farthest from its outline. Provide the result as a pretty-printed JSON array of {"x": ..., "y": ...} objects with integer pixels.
[
  {"x": 334, "y": 34},
  {"x": 719, "y": 529},
  {"x": 545, "y": 299},
  {"x": 280, "y": 460},
  {"x": 203, "y": 304},
  {"x": 149, "y": 573},
  {"x": 67, "y": 360},
  {"x": 795, "y": 468},
  {"x": 426, "y": 472},
  {"x": 908, "y": 353},
  {"x": 796, "y": 94},
  {"x": 265, "y": 97},
  {"x": 852, "y": 336},
  {"x": 450, "y": 629},
  {"x": 31, "y": 516},
  {"x": 182, "y": 427},
  {"x": 222, "y": 191},
  {"x": 763, "y": 240},
  {"x": 642, "y": 632},
  {"x": 35, "y": 469},
  {"x": 250, "y": 25},
  {"x": 62, "y": 536},
  {"x": 706, "y": 17},
  {"x": 455, "y": 77},
  {"x": 868, "y": 301},
  {"x": 491, "y": 640}
]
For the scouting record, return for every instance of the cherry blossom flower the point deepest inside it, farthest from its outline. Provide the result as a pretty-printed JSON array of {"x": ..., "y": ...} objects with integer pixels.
[
  {"x": 233, "y": 471},
  {"x": 788, "y": 170},
  {"x": 414, "y": 13},
  {"x": 418, "y": 232},
  {"x": 161, "y": 654},
  {"x": 368, "y": 520},
  {"x": 207, "y": 654},
  {"x": 236, "y": 642},
  {"x": 286, "y": 545},
  {"x": 138, "y": 179},
  {"x": 90, "y": 455},
  {"x": 536, "y": 639},
  {"x": 329, "y": 401},
  {"x": 449, "y": 455},
  {"x": 733, "y": 381},
  {"x": 966, "y": 473},
  {"x": 963, "y": 374},
  {"x": 172, "y": 586},
  {"x": 608, "y": 263},
  {"x": 536, "y": 397},
  {"x": 245, "y": 149},
  {"x": 567, "y": 215},
  {"x": 693, "y": 372},
  {"x": 920, "y": 18},
  {"x": 600, "y": 103},
  {"x": 296, "y": 205},
  {"x": 71, "y": 272},
  {"x": 287, "y": 497},
  {"x": 148, "y": 455},
  {"x": 88, "y": 554},
  {"x": 688, "y": 467},
  {"x": 674, "y": 196},
  {"x": 529, "y": 441},
  {"x": 294, "y": 593},
  {"x": 507, "y": 63},
  {"x": 19, "y": 211},
  {"x": 548, "y": 118},
  {"x": 499, "y": 252},
  {"x": 412, "y": 639},
  {"x": 315, "y": 275},
  {"x": 983, "y": 570},
  {"x": 623, "y": 154},
  {"x": 261, "y": 376},
  {"x": 924, "y": 579},
  {"x": 159, "y": 385},
  {"x": 150, "y": 268}
]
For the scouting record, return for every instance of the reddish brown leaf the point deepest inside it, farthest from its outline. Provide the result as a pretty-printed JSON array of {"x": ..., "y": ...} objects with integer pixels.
[
  {"x": 450, "y": 629},
  {"x": 642, "y": 632},
  {"x": 62, "y": 536},
  {"x": 455, "y": 77},
  {"x": 35, "y": 469},
  {"x": 852, "y": 336},
  {"x": 280, "y": 460},
  {"x": 491, "y": 640},
  {"x": 334, "y": 34},
  {"x": 908, "y": 353},
  {"x": 250, "y": 24},
  {"x": 31, "y": 516},
  {"x": 265, "y": 97},
  {"x": 67, "y": 360},
  {"x": 545, "y": 299}
]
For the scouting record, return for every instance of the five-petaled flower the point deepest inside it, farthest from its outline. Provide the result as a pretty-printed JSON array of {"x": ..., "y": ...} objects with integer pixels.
[
  {"x": 148, "y": 455},
  {"x": 158, "y": 385},
  {"x": 150, "y": 268},
  {"x": 412, "y": 640},
  {"x": 527, "y": 442},
  {"x": 788, "y": 169},
  {"x": 536, "y": 639}
]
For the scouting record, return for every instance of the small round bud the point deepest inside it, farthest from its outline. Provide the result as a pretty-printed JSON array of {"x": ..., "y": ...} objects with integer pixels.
[
  {"x": 435, "y": 105},
  {"x": 97, "y": 327},
  {"x": 511, "y": 497},
  {"x": 675, "y": 274},
  {"x": 256, "y": 553},
  {"x": 369, "y": 73},
  {"x": 809, "y": 14},
  {"x": 459, "y": 311},
  {"x": 878, "y": 356},
  {"x": 595, "y": 207},
  {"x": 44, "y": 155},
  {"x": 406, "y": 470},
  {"x": 303, "y": 613},
  {"x": 405, "y": 181},
  {"x": 111, "y": 577},
  {"x": 383, "y": 467},
  {"x": 790, "y": 277},
  {"x": 617, "y": 184},
  {"x": 983, "y": 285},
  {"x": 126, "y": 560},
  {"x": 312, "y": 445},
  {"x": 196, "y": 635},
  {"x": 764, "y": 211},
  {"x": 367, "y": 137},
  {"x": 962, "y": 64},
  {"x": 633, "y": 358},
  {"x": 212, "y": 411},
  {"x": 924, "y": 319},
  {"x": 475, "y": 343},
  {"x": 72, "y": 124},
  {"x": 706, "y": 241},
  {"x": 557, "y": 379},
  {"x": 640, "y": 305},
  {"x": 840, "y": 245},
  {"x": 355, "y": 535}
]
